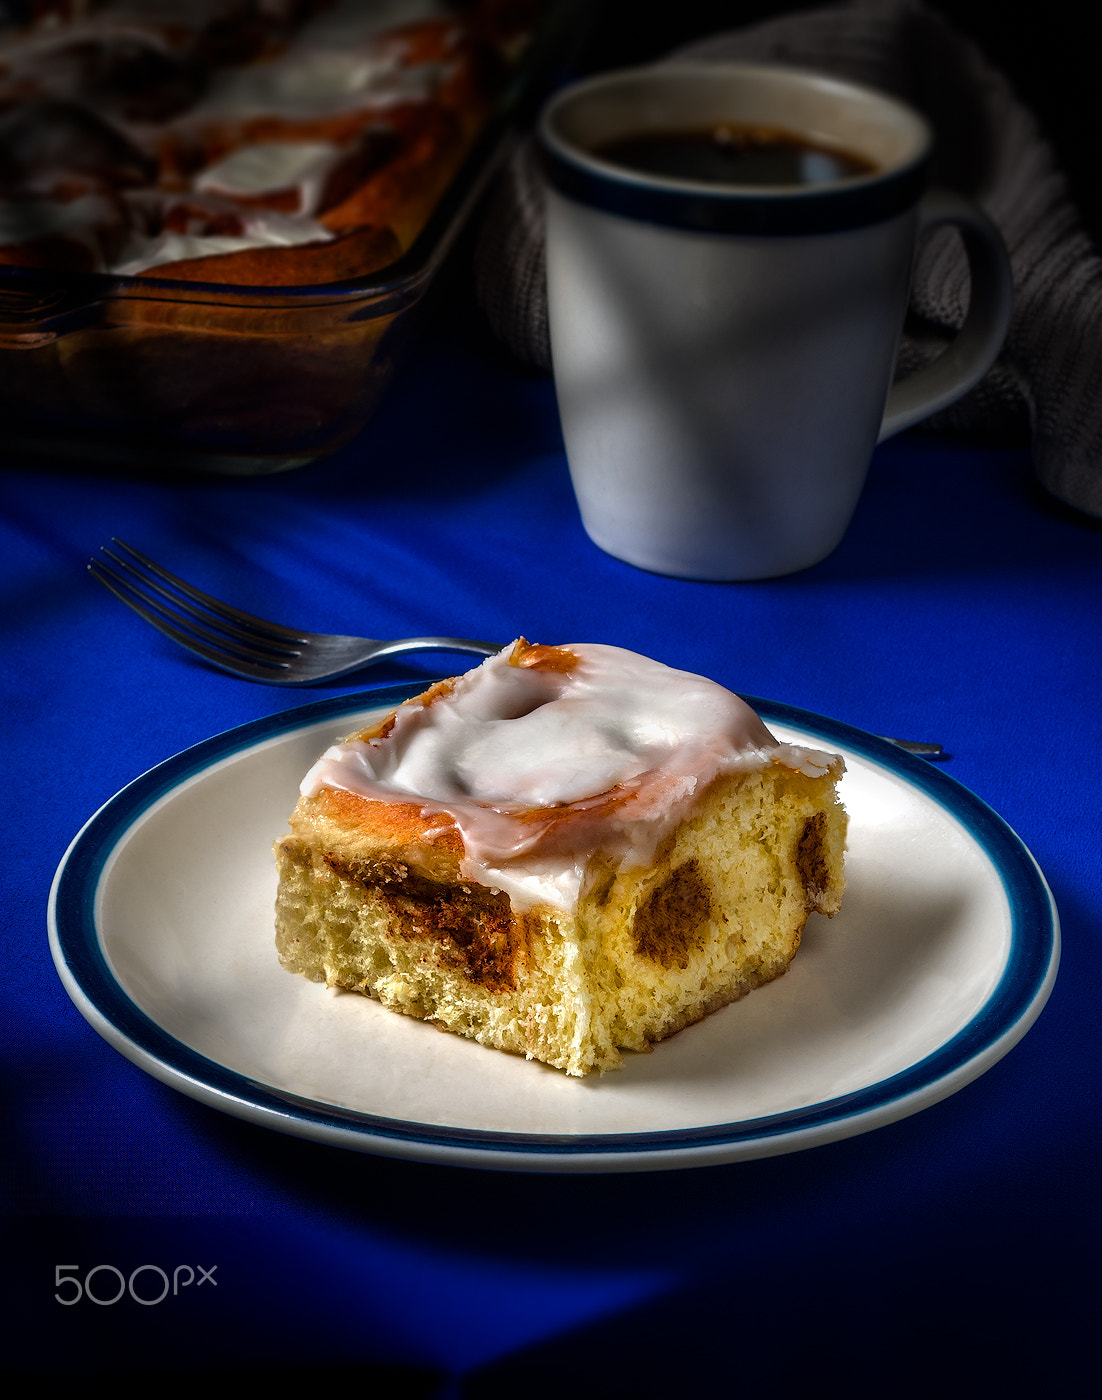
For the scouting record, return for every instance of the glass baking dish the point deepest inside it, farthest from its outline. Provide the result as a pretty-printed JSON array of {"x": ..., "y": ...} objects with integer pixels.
[{"x": 160, "y": 374}]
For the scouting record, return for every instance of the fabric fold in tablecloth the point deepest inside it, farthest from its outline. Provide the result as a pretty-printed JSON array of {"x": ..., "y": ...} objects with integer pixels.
[{"x": 1046, "y": 387}]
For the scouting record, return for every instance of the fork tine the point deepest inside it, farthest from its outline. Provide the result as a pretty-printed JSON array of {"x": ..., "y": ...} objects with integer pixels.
[
  {"x": 270, "y": 632},
  {"x": 238, "y": 642},
  {"x": 180, "y": 611},
  {"x": 132, "y": 588},
  {"x": 237, "y": 661},
  {"x": 184, "y": 627}
]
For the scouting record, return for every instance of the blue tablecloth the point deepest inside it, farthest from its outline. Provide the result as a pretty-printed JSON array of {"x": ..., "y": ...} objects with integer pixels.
[{"x": 957, "y": 1249}]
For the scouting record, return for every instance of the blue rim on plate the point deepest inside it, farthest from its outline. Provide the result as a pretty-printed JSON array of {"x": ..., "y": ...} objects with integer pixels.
[{"x": 1007, "y": 1012}]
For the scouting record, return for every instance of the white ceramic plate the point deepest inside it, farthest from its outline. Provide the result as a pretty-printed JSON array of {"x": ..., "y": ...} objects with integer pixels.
[{"x": 161, "y": 929}]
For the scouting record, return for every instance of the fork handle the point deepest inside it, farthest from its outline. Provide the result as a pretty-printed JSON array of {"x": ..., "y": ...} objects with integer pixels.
[{"x": 464, "y": 644}]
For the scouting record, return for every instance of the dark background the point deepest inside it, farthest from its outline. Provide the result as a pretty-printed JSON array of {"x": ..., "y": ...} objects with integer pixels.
[{"x": 1045, "y": 49}]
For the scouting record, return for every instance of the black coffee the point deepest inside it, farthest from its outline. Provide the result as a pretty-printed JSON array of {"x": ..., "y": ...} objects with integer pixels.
[{"x": 728, "y": 154}]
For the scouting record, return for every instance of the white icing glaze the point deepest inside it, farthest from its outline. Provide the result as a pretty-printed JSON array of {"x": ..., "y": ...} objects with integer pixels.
[
  {"x": 315, "y": 83},
  {"x": 607, "y": 755},
  {"x": 265, "y": 167},
  {"x": 341, "y": 61},
  {"x": 263, "y": 228}
]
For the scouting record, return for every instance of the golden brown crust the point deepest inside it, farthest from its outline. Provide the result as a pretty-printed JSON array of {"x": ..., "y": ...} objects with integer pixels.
[
  {"x": 357, "y": 253},
  {"x": 365, "y": 822},
  {"x": 546, "y": 658},
  {"x": 404, "y": 190}
]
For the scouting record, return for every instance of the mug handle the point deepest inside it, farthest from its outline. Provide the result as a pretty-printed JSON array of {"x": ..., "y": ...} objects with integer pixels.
[{"x": 968, "y": 357}]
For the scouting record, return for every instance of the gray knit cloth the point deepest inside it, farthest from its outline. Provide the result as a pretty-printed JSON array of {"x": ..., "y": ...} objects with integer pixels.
[{"x": 1047, "y": 385}]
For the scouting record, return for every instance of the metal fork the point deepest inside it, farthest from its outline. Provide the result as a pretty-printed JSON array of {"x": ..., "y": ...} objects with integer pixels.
[
  {"x": 256, "y": 650},
  {"x": 240, "y": 643}
]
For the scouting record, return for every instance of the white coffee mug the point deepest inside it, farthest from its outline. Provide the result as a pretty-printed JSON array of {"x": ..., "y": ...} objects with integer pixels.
[{"x": 724, "y": 353}]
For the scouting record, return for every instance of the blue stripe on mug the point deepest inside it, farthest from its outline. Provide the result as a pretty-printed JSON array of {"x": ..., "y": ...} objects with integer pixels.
[{"x": 816, "y": 209}]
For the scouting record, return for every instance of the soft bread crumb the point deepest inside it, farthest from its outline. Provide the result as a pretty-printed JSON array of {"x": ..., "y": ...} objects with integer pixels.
[{"x": 644, "y": 953}]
